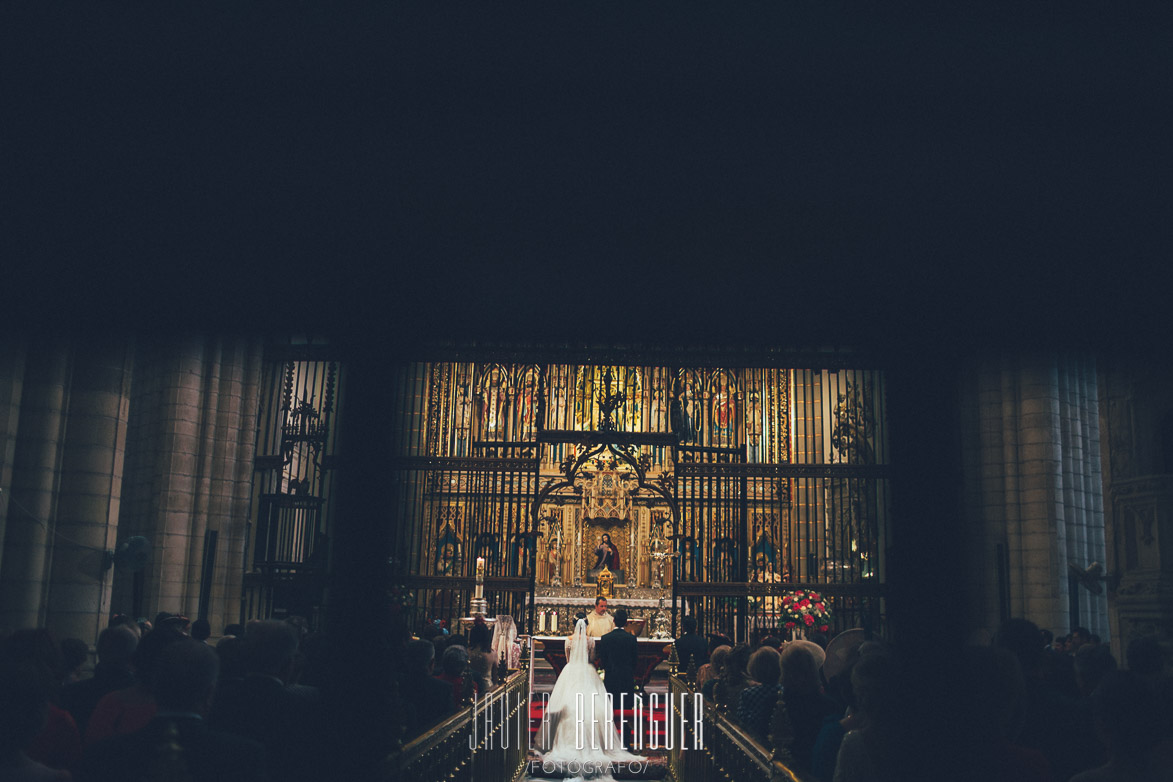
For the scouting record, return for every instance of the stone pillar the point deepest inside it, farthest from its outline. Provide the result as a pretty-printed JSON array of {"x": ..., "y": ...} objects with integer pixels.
[
  {"x": 32, "y": 506},
  {"x": 1136, "y": 402},
  {"x": 1032, "y": 496},
  {"x": 12, "y": 356},
  {"x": 89, "y": 489},
  {"x": 193, "y": 443}
]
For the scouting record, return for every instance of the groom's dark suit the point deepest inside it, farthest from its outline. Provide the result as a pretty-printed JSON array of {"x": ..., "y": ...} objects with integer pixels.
[{"x": 617, "y": 653}]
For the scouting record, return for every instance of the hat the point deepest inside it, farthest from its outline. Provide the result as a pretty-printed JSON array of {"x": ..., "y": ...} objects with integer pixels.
[
  {"x": 841, "y": 651},
  {"x": 815, "y": 650}
]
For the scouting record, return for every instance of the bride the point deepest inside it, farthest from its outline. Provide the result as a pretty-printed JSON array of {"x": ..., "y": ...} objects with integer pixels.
[{"x": 578, "y": 734}]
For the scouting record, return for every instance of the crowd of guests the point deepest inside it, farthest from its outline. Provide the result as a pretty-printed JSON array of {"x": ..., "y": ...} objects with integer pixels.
[
  {"x": 1026, "y": 707},
  {"x": 163, "y": 703},
  {"x": 444, "y": 671}
]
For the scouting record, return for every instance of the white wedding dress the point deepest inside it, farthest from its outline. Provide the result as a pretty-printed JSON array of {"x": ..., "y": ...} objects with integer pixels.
[{"x": 579, "y": 735}]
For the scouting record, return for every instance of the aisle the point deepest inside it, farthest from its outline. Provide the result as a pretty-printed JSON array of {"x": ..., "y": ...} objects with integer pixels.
[{"x": 653, "y": 728}]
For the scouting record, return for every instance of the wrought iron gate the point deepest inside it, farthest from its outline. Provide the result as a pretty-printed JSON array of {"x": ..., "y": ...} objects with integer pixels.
[
  {"x": 456, "y": 510},
  {"x": 768, "y": 481},
  {"x": 750, "y": 535}
]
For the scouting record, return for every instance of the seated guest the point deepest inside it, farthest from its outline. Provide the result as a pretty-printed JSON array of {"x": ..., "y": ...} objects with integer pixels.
[
  {"x": 1129, "y": 723},
  {"x": 482, "y": 660},
  {"x": 734, "y": 678},
  {"x": 837, "y": 724},
  {"x": 706, "y": 677},
  {"x": 453, "y": 666},
  {"x": 177, "y": 743},
  {"x": 992, "y": 692},
  {"x": 75, "y": 652},
  {"x": 127, "y": 621},
  {"x": 131, "y": 708},
  {"x": 755, "y": 706},
  {"x": 116, "y": 646},
  {"x": 430, "y": 698},
  {"x": 262, "y": 708},
  {"x": 806, "y": 704},
  {"x": 24, "y": 710},
  {"x": 1092, "y": 664},
  {"x": 201, "y": 630},
  {"x": 691, "y": 649},
  {"x": 478, "y": 668},
  {"x": 58, "y": 745},
  {"x": 879, "y": 748},
  {"x": 175, "y": 622},
  {"x": 230, "y": 650}
]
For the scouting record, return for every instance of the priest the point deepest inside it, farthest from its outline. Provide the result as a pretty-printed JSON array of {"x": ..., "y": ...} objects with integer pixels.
[{"x": 599, "y": 621}]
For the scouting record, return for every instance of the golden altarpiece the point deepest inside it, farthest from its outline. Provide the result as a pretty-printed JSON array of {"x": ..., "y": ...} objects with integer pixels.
[{"x": 702, "y": 490}]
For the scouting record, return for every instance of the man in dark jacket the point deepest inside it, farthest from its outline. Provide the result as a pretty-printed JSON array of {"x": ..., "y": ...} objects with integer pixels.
[
  {"x": 618, "y": 652},
  {"x": 691, "y": 649}
]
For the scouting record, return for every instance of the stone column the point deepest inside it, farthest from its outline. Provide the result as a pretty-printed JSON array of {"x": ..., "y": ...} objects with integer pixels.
[
  {"x": 193, "y": 443},
  {"x": 12, "y": 357},
  {"x": 89, "y": 489},
  {"x": 32, "y": 506},
  {"x": 1031, "y": 489}
]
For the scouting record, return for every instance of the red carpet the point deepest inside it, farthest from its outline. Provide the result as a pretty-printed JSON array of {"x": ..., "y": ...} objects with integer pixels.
[{"x": 653, "y": 725}]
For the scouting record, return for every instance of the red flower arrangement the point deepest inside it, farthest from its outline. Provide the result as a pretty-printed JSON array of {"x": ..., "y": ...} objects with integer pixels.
[{"x": 802, "y": 608}]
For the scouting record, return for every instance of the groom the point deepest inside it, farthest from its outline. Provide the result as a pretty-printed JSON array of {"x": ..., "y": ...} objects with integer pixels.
[{"x": 617, "y": 652}]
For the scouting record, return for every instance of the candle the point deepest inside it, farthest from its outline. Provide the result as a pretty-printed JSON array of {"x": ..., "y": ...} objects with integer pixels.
[
  {"x": 541, "y": 621},
  {"x": 480, "y": 590},
  {"x": 554, "y": 622}
]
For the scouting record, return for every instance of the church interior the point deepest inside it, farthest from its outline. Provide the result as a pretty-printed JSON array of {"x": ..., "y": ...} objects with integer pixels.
[
  {"x": 816, "y": 357},
  {"x": 208, "y": 477}
]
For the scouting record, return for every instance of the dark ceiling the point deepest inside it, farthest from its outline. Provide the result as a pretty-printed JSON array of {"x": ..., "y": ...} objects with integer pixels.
[{"x": 790, "y": 176}]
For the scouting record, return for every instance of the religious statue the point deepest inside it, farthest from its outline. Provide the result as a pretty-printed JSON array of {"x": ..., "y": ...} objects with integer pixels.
[
  {"x": 722, "y": 409},
  {"x": 764, "y": 573},
  {"x": 526, "y": 403},
  {"x": 724, "y": 563},
  {"x": 554, "y": 556},
  {"x": 690, "y": 559},
  {"x": 463, "y": 414},
  {"x": 605, "y": 583},
  {"x": 448, "y": 552},
  {"x": 519, "y": 554}
]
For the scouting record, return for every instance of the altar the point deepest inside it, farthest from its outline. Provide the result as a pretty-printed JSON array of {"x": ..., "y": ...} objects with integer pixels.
[
  {"x": 650, "y": 653},
  {"x": 554, "y": 610}
]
